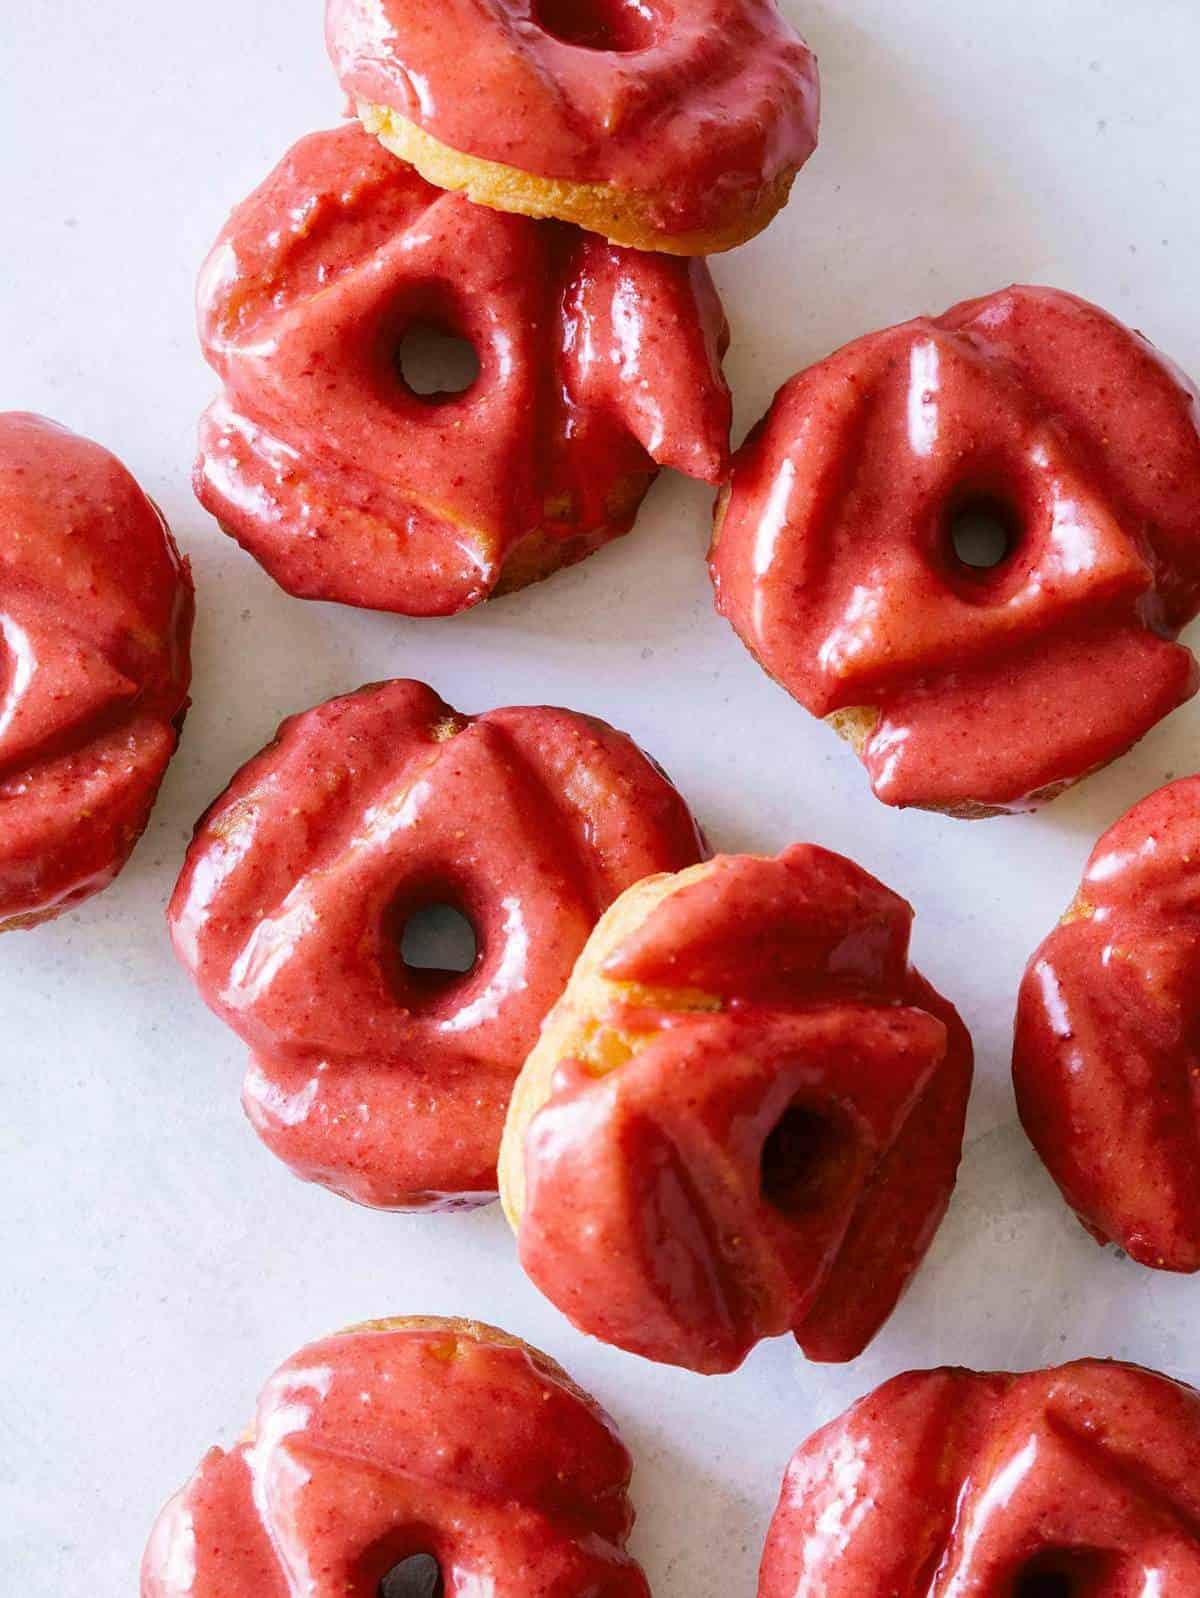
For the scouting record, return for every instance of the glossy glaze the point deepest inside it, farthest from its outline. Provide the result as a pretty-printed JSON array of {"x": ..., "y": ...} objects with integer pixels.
[
  {"x": 717, "y": 102},
  {"x": 388, "y": 1084},
  {"x": 597, "y": 365},
  {"x": 835, "y": 564},
  {"x": 1079, "y": 1482},
  {"x": 403, "y": 1438},
  {"x": 95, "y": 624},
  {"x": 654, "y": 1215},
  {"x": 1106, "y": 1059}
]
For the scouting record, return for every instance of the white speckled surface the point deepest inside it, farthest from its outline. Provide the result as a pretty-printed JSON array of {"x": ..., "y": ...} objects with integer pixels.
[{"x": 157, "y": 1262}]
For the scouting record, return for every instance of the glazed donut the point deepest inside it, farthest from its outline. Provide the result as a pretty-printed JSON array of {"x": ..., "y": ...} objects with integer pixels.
[
  {"x": 597, "y": 366},
  {"x": 385, "y": 1082},
  {"x": 673, "y": 125},
  {"x": 971, "y": 689},
  {"x": 1104, "y": 1058},
  {"x": 744, "y": 1117},
  {"x": 95, "y": 627},
  {"x": 407, "y": 1441},
  {"x": 1078, "y": 1482}
]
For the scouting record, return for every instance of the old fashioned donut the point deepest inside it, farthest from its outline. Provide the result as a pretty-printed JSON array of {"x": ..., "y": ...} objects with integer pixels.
[
  {"x": 382, "y": 1081},
  {"x": 743, "y": 1118},
  {"x": 400, "y": 1444},
  {"x": 95, "y": 628},
  {"x": 673, "y": 125},
  {"x": 1078, "y": 1482},
  {"x": 970, "y": 688},
  {"x": 1105, "y": 1060},
  {"x": 597, "y": 365}
]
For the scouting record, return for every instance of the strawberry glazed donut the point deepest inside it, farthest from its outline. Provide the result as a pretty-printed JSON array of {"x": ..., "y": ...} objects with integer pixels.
[
  {"x": 380, "y": 1079},
  {"x": 672, "y": 125},
  {"x": 1078, "y": 1482},
  {"x": 95, "y": 627},
  {"x": 850, "y": 552},
  {"x": 743, "y": 1118},
  {"x": 405, "y": 1457},
  {"x": 1105, "y": 1060},
  {"x": 596, "y": 366}
]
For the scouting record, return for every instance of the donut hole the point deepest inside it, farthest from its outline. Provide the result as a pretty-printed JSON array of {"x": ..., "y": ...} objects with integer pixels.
[
  {"x": 418, "y": 1576},
  {"x": 1044, "y": 1584},
  {"x": 1062, "y": 1573},
  {"x": 983, "y": 533},
  {"x": 808, "y": 1156},
  {"x": 618, "y": 26},
  {"x": 435, "y": 362},
  {"x": 437, "y": 944}
]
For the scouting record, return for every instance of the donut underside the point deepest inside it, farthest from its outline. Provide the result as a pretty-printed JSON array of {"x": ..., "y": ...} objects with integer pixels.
[
  {"x": 77, "y": 896},
  {"x": 540, "y": 553},
  {"x": 38, "y": 918},
  {"x": 619, "y": 215},
  {"x": 534, "y": 558},
  {"x": 127, "y": 836},
  {"x": 535, "y": 555},
  {"x": 856, "y": 723}
]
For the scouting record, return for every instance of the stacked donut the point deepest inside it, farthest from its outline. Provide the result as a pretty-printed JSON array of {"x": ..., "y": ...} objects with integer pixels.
[{"x": 540, "y": 181}]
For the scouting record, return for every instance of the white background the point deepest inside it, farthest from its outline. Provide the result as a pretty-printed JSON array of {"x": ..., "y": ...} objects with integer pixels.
[{"x": 157, "y": 1263}]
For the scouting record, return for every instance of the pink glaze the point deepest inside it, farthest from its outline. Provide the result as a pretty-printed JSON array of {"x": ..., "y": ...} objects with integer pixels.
[
  {"x": 95, "y": 623},
  {"x": 373, "y": 1446},
  {"x": 693, "y": 106},
  {"x": 658, "y": 1215},
  {"x": 1080, "y": 1482},
  {"x": 836, "y": 567},
  {"x": 597, "y": 365},
  {"x": 1106, "y": 1061},
  {"x": 386, "y": 1083}
]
